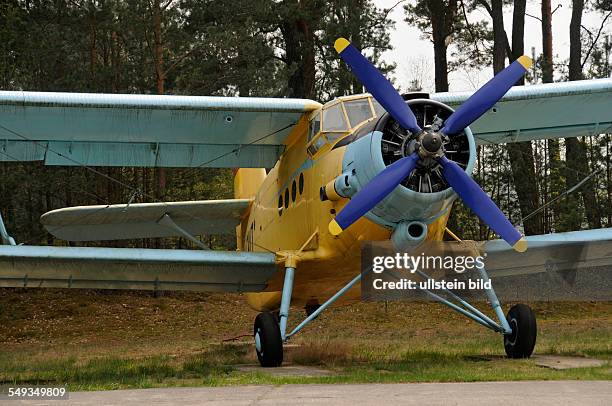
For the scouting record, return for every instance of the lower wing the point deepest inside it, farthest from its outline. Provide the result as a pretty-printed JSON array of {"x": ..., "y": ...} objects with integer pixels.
[
  {"x": 569, "y": 251},
  {"x": 133, "y": 268},
  {"x": 145, "y": 220}
]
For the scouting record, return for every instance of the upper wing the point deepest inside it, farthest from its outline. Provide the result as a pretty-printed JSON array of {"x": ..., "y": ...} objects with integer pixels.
[
  {"x": 569, "y": 251},
  {"x": 145, "y": 220},
  {"x": 553, "y": 110},
  {"x": 131, "y": 268},
  {"x": 146, "y": 130}
]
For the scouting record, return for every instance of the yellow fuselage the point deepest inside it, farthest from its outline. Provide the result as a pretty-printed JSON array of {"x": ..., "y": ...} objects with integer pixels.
[{"x": 298, "y": 225}]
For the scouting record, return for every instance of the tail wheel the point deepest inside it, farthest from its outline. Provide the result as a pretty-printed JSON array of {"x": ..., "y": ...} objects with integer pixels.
[
  {"x": 522, "y": 321},
  {"x": 268, "y": 341}
]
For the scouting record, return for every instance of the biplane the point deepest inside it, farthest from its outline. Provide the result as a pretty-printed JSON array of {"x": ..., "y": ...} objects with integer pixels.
[{"x": 313, "y": 182}]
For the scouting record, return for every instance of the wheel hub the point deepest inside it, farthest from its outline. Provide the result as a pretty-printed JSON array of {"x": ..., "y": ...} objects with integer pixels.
[{"x": 257, "y": 342}]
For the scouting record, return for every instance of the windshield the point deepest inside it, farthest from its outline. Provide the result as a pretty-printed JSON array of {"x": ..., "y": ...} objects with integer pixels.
[
  {"x": 358, "y": 111},
  {"x": 334, "y": 119},
  {"x": 338, "y": 118}
]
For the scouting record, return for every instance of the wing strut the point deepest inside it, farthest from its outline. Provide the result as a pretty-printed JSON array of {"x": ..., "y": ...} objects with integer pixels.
[
  {"x": 4, "y": 236},
  {"x": 167, "y": 221}
]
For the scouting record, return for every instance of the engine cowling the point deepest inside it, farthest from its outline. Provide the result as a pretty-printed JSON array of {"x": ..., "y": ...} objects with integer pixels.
[{"x": 424, "y": 195}]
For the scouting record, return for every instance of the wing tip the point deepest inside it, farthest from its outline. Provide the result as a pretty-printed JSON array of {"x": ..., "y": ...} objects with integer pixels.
[
  {"x": 526, "y": 61},
  {"x": 520, "y": 245},
  {"x": 341, "y": 44}
]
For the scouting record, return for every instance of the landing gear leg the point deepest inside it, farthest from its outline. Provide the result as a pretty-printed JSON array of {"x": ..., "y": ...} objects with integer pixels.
[
  {"x": 520, "y": 327},
  {"x": 269, "y": 331}
]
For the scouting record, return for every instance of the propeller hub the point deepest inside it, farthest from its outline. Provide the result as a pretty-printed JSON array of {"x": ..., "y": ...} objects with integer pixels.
[{"x": 431, "y": 144}]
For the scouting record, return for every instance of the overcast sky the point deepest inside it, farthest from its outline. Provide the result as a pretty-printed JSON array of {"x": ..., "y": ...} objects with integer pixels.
[{"x": 410, "y": 50}]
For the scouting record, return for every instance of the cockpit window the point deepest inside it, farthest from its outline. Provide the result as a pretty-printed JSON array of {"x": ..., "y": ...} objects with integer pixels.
[
  {"x": 378, "y": 109},
  {"x": 315, "y": 126},
  {"x": 339, "y": 118},
  {"x": 333, "y": 119},
  {"x": 358, "y": 111}
]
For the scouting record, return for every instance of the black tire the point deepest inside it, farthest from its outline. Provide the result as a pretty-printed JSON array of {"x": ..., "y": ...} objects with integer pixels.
[
  {"x": 521, "y": 342},
  {"x": 268, "y": 341}
]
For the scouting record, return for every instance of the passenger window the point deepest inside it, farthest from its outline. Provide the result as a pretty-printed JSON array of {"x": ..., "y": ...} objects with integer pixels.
[
  {"x": 358, "y": 111},
  {"x": 280, "y": 204},
  {"x": 333, "y": 118},
  {"x": 301, "y": 183},
  {"x": 286, "y": 198},
  {"x": 293, "y": 191}
]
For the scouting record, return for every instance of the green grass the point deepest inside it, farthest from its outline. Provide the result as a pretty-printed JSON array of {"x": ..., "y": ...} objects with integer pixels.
[
  {"x": 93, "y": 341},
  {"x": 412, "y": 366}
]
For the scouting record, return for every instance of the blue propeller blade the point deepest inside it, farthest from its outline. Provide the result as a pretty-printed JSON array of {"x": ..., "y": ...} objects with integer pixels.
[
  {"x": 382, "y": 90},
  {"x": 372, "y": 193},
  {"x": 481, "y": 204},
  {"x": 486, "y": 96}
]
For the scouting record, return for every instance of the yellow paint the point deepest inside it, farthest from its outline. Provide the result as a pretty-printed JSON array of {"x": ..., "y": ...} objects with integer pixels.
[
  {"x": 264, "y": 301},
  {"x": 247, "y": 182},
  {"x": 521, "y": 245},
  {"x": 334, "y": 227},
  {"x": 525, "y": 61},
  {"x": 303, "y": 232},
  {"x": 330, "y": 191},
  {"x": 341, "y": 44}
]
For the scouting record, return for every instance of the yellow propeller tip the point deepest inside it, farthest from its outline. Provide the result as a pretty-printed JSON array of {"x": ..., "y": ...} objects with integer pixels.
[
  {"x": 525, "y": 61},
  {"x": 520, "y": 245},
  {"x": 334, "y": 228},
  {"x": 340, "y": 44}
]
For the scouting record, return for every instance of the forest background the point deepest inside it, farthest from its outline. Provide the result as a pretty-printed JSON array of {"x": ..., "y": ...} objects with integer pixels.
[{"x": 284, "y": 48}]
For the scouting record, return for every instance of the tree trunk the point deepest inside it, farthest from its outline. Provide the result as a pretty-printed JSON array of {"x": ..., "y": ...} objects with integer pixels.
[
  {"x": 158, "y": 47},
  {"x": 547, "y": 46},
  {"x": 518, "y": 31},
  {"x": 92, "y": 43},
  {"x": 300, "y": 51},
  {"x": 355, "y": 10},
  {"x": 520, "y": 153},
  {"x": 575, "y": 68},
  {"x": 499, "y": 36},
  {"x": 575, "y": 149},
  {"x": 442, "y": 16},
  {"x": 160, "y": 75},
  {"x": 441, "y": 65}
]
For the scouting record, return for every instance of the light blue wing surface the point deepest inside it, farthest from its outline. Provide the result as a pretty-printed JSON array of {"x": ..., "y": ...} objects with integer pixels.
[
  {"x": 131, "y": 268},
  {"x": 554, "y": 110},
  {"x": 145, "y": 220},
  {"x": 146, "y": 130},
  {"x": 569, "y": 251}
]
